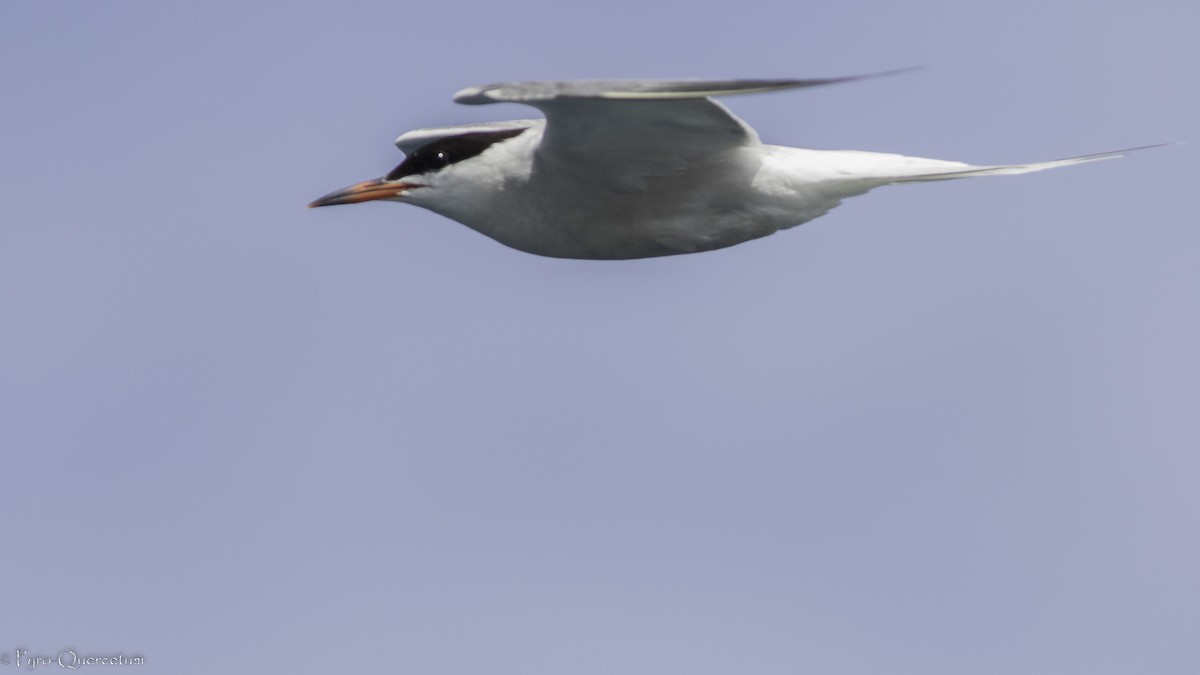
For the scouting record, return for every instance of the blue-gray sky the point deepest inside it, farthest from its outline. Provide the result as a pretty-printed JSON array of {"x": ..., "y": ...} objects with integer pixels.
[{"x": 946, "y": 429}]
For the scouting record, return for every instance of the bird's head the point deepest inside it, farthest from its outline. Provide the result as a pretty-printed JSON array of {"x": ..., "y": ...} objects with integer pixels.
[{"x": 436, "y": 161}]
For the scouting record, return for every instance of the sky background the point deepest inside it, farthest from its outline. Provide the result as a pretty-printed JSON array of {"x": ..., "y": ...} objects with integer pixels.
[{"x": 946, "y": 429}]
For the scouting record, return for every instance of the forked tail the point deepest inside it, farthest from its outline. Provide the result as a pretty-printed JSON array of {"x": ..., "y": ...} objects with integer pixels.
[{"x": 967, "y": 170}]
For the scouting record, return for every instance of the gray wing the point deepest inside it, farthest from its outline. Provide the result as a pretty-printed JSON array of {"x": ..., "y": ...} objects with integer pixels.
[
  {"x": 636, "y": 127},
  {"x": 627, "y": 90}
]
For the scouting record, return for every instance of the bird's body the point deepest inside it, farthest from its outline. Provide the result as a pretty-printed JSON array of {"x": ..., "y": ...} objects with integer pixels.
[
  {"x": 634, "y": 169},
  {"x": 739, "y": 194}
]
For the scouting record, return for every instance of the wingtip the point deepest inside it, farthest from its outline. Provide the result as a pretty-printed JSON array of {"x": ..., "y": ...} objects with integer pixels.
[
  {"x": 886, "y": 73},
  {"x": 472, "y": 96},
  {"x": 900, "y": 71},
  {"x": 1126, "y": 151}
]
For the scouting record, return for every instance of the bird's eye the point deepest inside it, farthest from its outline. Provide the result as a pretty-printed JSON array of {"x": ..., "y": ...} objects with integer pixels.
[{"x": 441, "y": 153}]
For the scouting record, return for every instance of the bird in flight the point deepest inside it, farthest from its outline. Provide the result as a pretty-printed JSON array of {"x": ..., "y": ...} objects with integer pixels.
[{"x": 621, "y": 169}]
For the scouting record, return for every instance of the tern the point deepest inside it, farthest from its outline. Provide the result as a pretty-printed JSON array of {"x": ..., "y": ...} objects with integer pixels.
[{"x": 620, "y": 169}]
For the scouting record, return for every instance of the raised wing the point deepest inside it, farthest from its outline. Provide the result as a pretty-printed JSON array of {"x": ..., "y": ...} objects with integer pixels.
[
  {"x": 626, "y": 90},
  {"x": 634, "y": 127}
]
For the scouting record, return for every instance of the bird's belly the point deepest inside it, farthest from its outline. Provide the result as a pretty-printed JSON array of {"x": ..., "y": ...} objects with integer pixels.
[
  {"x": 614, "y": 234},
  {"x": 667, "y": 216}
]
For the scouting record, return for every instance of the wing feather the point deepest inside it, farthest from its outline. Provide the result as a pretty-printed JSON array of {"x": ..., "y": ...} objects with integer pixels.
[
  {"x": 535, "y": 92},
  {"x": 623, "y": 131}
]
